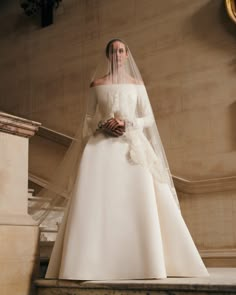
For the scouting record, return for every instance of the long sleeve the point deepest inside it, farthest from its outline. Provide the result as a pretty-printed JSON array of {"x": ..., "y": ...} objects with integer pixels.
[
  {"x": 90, "y": 122},
  {"x": 144, "y": 115}
]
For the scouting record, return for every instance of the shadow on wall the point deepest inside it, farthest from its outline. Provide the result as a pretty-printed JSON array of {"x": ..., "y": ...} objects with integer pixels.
[
  {"x": 208, "y": 24},
  {"x": 14, "y": 20},
  {"x": 230, "y": 28},
  {"x": 3, "y": 4},
  {"x": 25, "y": 24},
  {"x": 213, "y": 28},
  {"x": 232, "y": 108}
]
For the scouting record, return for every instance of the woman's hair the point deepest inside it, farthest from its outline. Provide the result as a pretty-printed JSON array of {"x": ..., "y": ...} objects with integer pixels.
[{"x": 112, "y": 41}]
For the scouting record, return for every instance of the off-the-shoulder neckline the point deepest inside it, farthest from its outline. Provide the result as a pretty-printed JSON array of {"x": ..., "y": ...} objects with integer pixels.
[{"x": 119, "y": 84}]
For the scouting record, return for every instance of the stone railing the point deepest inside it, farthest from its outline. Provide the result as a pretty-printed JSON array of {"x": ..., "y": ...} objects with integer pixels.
[
  {"x": 18, "y": 126},
  {"x": 208, "y": 207},
  {"x": 18, "y": 232},
  {"x": 14, "y": 135},
  {"x": 205, "y": 186}
]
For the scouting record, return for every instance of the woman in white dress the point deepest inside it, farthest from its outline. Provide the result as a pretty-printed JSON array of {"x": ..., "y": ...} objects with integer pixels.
[{"x": 123, "y": 220}]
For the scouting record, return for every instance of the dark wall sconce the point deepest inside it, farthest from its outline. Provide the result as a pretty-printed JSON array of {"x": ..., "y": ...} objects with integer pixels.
[{"x": 43, "y": 7}]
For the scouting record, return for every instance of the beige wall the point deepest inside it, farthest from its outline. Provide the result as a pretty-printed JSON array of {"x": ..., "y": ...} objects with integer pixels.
[{"x": 186, "y": 53}]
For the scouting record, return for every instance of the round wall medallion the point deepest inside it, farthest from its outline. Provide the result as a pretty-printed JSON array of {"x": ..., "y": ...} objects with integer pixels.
[{"x": 231, "y": 9}]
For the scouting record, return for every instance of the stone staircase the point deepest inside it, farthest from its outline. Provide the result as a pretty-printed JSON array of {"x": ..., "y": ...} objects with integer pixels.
[
  {"x": 221, "y": 281},
  {"x": 218, "y": 194}
]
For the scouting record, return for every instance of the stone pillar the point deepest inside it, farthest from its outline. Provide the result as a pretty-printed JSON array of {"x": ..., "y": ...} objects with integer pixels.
[{"x": 19, "y": 234}]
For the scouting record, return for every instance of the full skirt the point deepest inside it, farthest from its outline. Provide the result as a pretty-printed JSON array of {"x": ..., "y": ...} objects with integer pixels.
[{"x": 120, "y": 224}]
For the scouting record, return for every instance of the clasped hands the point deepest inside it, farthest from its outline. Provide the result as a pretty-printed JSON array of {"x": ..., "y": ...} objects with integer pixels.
[{"x": 113, "y": 127}]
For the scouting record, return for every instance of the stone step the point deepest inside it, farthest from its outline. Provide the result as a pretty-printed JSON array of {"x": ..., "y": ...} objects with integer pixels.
[{"x": 221, "y": 281}]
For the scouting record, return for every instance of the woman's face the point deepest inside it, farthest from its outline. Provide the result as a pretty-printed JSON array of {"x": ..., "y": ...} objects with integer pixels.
[{"x": 117, "y": 53}]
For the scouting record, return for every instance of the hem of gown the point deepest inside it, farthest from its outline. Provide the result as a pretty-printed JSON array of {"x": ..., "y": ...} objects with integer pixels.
[
  {"x": 109, "y": 278},
  {"x": 154, "y": 277}
]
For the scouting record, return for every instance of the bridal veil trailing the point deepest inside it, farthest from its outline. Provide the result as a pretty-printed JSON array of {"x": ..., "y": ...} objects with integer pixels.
[{"x": 122, "y": 217}]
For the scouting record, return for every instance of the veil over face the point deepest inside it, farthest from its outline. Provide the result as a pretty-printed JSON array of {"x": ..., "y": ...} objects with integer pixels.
[{"x": 116, "y": 67}]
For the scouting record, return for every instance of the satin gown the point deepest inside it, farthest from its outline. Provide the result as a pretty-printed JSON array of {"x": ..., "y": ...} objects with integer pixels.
[{"x": 119, "y": 224}]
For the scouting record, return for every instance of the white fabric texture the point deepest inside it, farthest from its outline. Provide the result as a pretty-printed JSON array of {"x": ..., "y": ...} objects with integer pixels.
[
  {"x": 126, "y": 100},
  {"x": 121, "y": 223},
  {"x": 130, "y": 102}
]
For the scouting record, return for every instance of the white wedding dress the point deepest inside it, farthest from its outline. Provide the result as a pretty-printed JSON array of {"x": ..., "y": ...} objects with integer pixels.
[{"x": 119, "y": 224}]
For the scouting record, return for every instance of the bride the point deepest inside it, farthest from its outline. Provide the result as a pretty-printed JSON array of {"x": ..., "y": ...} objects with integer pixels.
[{"x": 123, "y": 220}]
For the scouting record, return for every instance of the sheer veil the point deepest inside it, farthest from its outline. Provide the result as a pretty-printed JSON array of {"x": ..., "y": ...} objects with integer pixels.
[{"x": 116, "y": 67}]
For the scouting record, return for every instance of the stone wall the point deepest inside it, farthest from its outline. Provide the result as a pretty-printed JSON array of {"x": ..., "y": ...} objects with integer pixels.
[
  {"x": 184, "y": 49},
  {"x": 208, "y": 208}
]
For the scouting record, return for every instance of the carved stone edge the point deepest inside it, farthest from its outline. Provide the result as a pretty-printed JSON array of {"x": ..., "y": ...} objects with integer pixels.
[
  {"x": 218, "y": 253},
  {"x": 55, "y": 136},
  {"x": 18, "y": 126},
  {"x": 17, "y": 220},
  {"x": 213, "y": 185}
]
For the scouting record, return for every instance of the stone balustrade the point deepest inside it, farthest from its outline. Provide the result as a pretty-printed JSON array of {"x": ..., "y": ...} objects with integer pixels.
[
  {"x": 19, "y": 233},
  {"x": 208, "y": 208}
]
